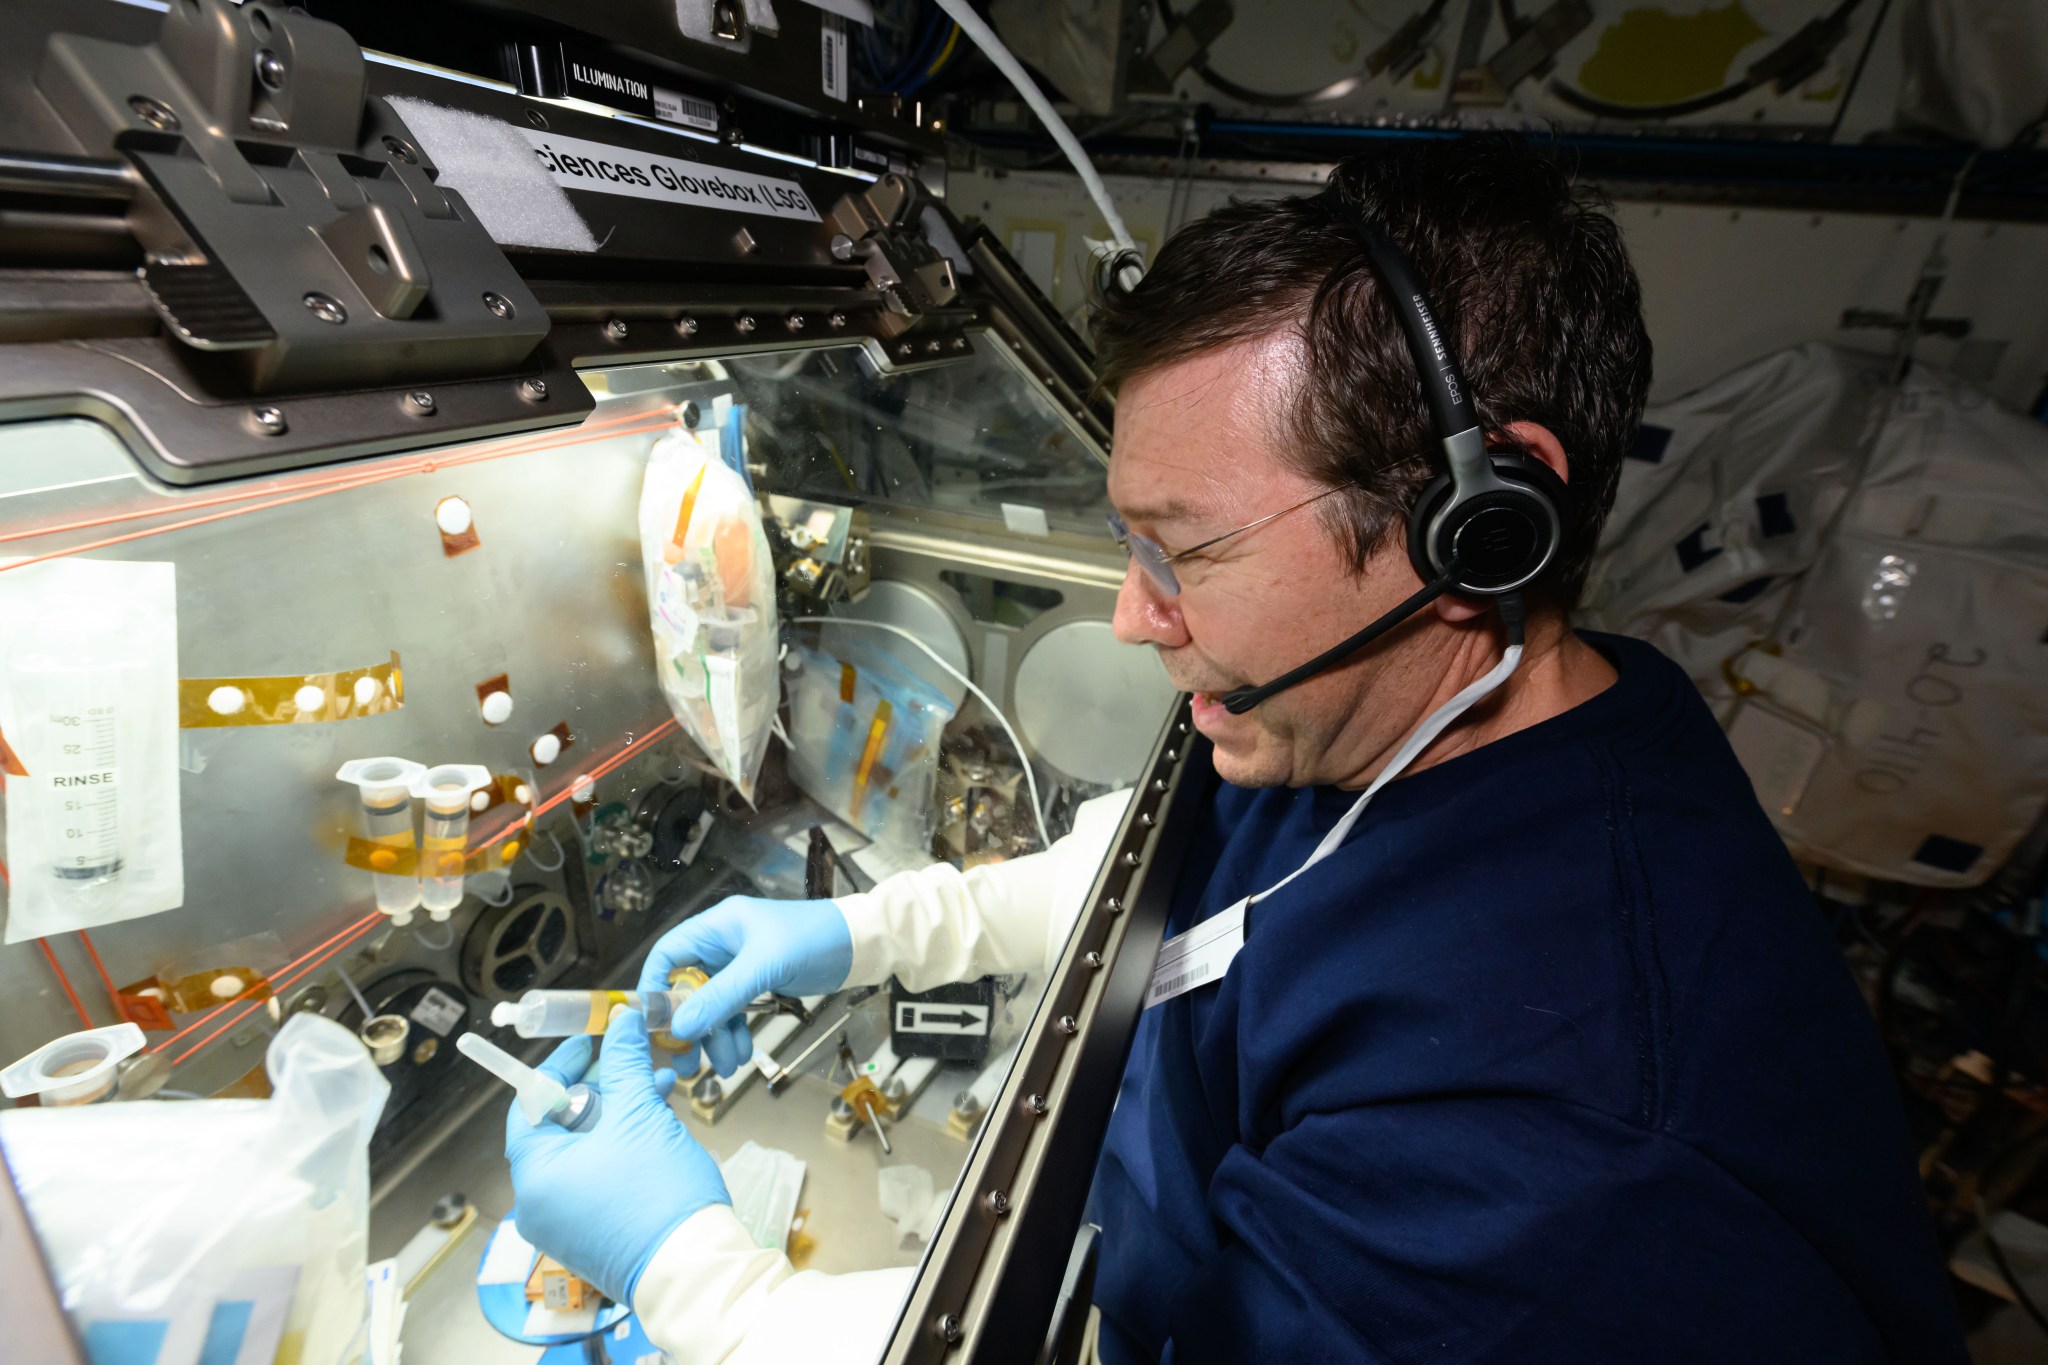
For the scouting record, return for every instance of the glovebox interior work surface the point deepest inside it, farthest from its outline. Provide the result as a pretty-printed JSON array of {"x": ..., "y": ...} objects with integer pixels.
[{"x": 399, "y": 739}]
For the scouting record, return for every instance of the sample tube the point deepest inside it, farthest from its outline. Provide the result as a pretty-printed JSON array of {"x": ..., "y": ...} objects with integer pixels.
[
  {"x": 446, "y": 790},
  {"x": 558, "y": 1014},
  {"x": 386, "y": 786},
  {"x": 542, "y": 1098}
]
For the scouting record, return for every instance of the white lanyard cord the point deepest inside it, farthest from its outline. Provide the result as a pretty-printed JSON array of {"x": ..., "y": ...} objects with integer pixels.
[{"x": 1424, "y": 735}]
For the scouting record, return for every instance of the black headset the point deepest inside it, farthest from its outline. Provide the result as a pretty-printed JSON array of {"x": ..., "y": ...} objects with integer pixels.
[{"x": 1488, "y": 525}]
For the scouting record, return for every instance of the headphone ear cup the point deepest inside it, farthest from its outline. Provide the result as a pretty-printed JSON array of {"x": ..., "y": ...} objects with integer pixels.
[
  {"x": 1527, "y": 538},
  {"x": 1421, "y": 553},
  {"x": 1514, "y": 467}
]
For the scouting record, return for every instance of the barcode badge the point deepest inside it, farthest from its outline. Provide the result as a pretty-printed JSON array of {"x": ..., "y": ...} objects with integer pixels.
[
  {"x": 832, "y": 53},
  {"x": 673, "y": 107},
  {"x": 438, "y": 1011},
  {"x": 1199, "y": 956}
]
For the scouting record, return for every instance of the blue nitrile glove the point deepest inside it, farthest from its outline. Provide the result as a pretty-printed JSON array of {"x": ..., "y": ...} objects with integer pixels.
[
  {"x": 748, "y": 945},
  {"x": 602, "y": 1201}
]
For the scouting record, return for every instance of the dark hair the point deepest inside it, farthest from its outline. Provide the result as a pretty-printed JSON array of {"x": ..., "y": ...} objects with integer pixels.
[{"x": 1527, "y": 272}]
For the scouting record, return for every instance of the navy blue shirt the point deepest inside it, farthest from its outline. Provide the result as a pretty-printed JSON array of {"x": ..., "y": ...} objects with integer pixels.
[{"x": 1552, "y": 1060}]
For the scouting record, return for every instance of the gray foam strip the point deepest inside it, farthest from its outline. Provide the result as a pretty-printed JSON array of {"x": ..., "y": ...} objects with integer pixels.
[{"x": 493, "y": 167}]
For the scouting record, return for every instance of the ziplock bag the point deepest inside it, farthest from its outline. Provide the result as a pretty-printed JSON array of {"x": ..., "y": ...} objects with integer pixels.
[
  {"x": 182, "y": 1231},
  {"x": 864, "y": 738},
  {"x": 711, "y": 602},
  {"x": 89, "y": 707}
]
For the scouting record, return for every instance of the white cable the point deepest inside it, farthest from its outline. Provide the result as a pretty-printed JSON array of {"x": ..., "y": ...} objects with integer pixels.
[
  {"x": 962, "y": 13},
  {"x": 361, "y": 1003},
  {"x": 561, "y": 854},
  {"x": 419, "y": 935},
  {"x": 1023, "y": 754},
  {"x": 1424, "y": 735}
]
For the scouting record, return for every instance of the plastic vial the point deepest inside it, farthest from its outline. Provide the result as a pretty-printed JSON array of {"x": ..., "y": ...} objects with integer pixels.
[
  {"x": 559, "y": 1014},
  {"x": 386, "y": 787},
  {"x": 446, "y": 790},
  {"x": 542, "y": 1098},
  {"x": 69, "y": 679}
]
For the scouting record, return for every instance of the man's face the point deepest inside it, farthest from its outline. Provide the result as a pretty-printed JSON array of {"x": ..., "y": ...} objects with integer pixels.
[{"x": 1198, "y": 453}]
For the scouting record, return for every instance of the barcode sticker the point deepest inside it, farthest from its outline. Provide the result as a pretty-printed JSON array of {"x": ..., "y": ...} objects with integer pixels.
[
  {"x": 691, "y": 112},
  {"x": 1198, "y": 956},
  {"x": 1174, "y": 985},
  {"x": 438, "y": 1011},
  {"x": 832, "y": 52}
]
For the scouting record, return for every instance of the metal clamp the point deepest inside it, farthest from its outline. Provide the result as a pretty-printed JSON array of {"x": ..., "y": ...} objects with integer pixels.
[
  {"x": 288, "y": 220},
  {"x": 882, "y": 227}
]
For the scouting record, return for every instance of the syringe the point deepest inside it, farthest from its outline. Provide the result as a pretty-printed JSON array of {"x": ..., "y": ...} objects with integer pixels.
[
  {"x": 559, "y": 1014},
  {"x": 542, "y": 1098}
]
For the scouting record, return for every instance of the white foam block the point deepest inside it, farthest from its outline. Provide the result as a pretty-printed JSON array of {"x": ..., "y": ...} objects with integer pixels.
[
  {"x": 510, "y": 1258},
  {"x": 542, "y": 1321},
  {"x": 493, "y": 167}
]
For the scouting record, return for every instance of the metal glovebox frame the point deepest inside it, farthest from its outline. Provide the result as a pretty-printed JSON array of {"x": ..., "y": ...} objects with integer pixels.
[{"x": 220, "y": 242}]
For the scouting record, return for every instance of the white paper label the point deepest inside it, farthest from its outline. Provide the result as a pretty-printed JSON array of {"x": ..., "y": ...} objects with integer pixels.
[
  {"x": 1025, "y": 520},
  {"x": 697, "y": 837},
  {"x": 578, "y": 164},
  {"x": 721, "y": 672},
  {"x": 688, "y": 110},
  {"x": 929, "y": 1017},
  {"x": 1780, "y": 755},
  {"x": 437, "y": 1011},
  {"x": 832, "y": 55},
  {"x": 1199, "y": 956}
]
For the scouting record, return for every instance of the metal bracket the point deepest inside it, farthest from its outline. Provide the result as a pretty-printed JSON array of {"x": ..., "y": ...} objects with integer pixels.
[
  {"x": 1529, "y": 52},
  {"x": 288, "y": 220},
  {"x": 1185, "y": 44},
  {"x": 880, "y": 226}
]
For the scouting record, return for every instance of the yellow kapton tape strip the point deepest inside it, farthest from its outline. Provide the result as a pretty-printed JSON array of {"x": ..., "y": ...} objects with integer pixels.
[
  {"x": 878, "y": 729},
  {"x": 294, "y": 699},
  {"x": 416, "y": 862}
]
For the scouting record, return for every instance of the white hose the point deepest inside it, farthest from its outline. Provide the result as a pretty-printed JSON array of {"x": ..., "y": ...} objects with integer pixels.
[
  {"x": 962, "y": 13},
  {"x": 1023, "y": 755}
]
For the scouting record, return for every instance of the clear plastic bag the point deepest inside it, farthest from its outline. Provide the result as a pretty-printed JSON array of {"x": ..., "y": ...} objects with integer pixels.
[
  {"x": 180, "y": 1231},
  {"x": 89, "y": 702},
  {"x": 711, "y": 602},
  {"x": 864, "y": 738}
]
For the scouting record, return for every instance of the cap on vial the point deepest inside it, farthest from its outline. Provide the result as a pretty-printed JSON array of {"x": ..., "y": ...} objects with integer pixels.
[
  {"x": 381, "y": 773},
  {"x": 452, "y": 515},
  {"x": 74, "y": 1069}
]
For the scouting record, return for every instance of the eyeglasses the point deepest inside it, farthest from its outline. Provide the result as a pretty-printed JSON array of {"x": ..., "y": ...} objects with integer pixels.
[{"x": 1157, "y": 561}]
